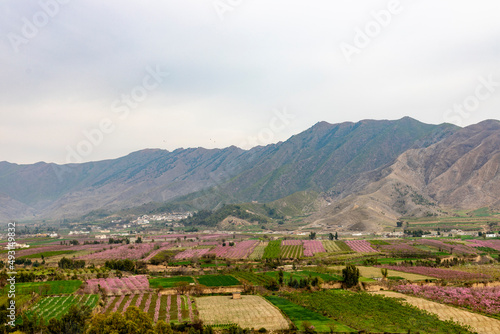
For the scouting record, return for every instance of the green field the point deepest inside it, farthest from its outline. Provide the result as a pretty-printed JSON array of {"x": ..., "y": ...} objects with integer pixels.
[
  {"x": 47, "y": 288},
  {"x": 287, "y": 275},
  {"x": 217, "y": 280},
  {"x": 272, "y": 250},
  {"x": 55, "y": 307},
  {"x": 298, "y": 314},
  {"x": 169, "y": 282},
  {"x": 256, "y": 279},
  {"x": 373, "y": 313},
  {"x": 47, "y": 254}
]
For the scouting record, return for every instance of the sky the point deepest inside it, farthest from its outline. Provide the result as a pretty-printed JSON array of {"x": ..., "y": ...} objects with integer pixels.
[{"x": 92, "y": 80}]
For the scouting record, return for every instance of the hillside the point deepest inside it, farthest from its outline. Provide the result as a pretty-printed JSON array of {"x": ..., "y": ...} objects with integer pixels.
[
  {"x": 317, "y": 160},
  {"x": 459, "y": 172}
]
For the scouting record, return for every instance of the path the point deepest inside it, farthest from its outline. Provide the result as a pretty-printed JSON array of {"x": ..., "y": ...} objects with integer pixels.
[{"x": 480, "y": 323}]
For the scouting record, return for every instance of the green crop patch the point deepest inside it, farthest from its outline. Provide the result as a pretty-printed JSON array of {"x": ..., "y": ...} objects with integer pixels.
[
  {"x": 169, "y": 282},
  {"x": 48, "y": 254},
  {"x": 217, "y": 280},
  {"x": 47, "y": 288},
  {"x": 273, "y": 250},
  {"x": 299, "y": 314}
]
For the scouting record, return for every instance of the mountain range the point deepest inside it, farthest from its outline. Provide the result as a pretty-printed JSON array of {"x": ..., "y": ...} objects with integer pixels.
[{"x": 358, "y": 176}]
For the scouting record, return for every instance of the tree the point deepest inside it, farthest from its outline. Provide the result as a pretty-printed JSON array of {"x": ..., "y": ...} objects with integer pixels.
[
  {"x": 384, "y": 272},
  {"x": 312, "y": 235},
  {"x": 351, "y": 275},
  {"x": 336, "y": 236},
  {"x": 331, "y": 236},
  {"x": 280, "y": 277}
]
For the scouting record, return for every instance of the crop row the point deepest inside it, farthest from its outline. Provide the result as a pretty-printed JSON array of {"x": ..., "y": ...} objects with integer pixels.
[
  {"x": 55, "y": 307},
  {"x": 272, "y": 250},
  {"x": 291, "y": 251},
  {"x": 171, "y": 308},
  {"x": 118, "y": 286}
]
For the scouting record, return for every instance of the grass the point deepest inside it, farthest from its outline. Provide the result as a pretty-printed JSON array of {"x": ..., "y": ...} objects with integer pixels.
[
  {"x": 217, "y": 280},
  {"x": 47, "y": 288},
  {"x": 298, "y": 314},
  {"x": 48, "y": 254},
  {"x": 169, "y": 282}
]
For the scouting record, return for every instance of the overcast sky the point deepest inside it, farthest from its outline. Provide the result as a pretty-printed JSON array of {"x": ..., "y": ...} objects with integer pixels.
[{"x": 91, "y": 80}]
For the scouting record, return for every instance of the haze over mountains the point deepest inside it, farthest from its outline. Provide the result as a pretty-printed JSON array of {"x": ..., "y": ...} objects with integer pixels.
[{"x": 364, "y": 175}]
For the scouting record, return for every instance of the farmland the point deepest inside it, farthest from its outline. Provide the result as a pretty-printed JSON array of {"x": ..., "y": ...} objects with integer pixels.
[
  {"x": 247, "y": 312},
  {"x": 55, "y": 307},
  {"x": 47, "y": 288},
  {"x": 273, "y": 250},
  {"x": 346, "y": 307},
  {"x": 169, "y": 282},
  {"x": 298, "y": 314},
  {"x": 293, "y": 273},
  {"x": 217, "y": 280},
  {"x": 171, "y": 308}
]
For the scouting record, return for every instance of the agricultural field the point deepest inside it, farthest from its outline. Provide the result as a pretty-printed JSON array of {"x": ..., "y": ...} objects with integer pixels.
[
  {"x": 247, "y": 312},
  {"x": 485, "y": 300},
  {"x": 169, "y": 282},
  {"x": 118, "y": 286},
  {"x": 332, "y": 246},
  {"x": 258, "y": 251},
  {"x": 298, "y": 314},
  {"x": 445, "y": 274},
  {"x": 352, "y": 309},
  {"x": 254, "y": 278},
  {"x": 55, "y": 307},
  {"x": 291, "y": 251},
  {"x": 48, "y": 254},
  {"x": 273, "y": 250},
  {"x": 217, "y": 280},
  {"x": 171, "y": 308},
  {"x": 477, "y": 322},
  {"x": 374, "y": 272},
  {"x": 47, "y": 288}
]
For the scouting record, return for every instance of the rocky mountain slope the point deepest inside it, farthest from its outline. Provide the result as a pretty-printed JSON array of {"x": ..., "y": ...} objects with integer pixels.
[
  {"x": 460, "y": 172},
  {"x": 367, "y": 173}
]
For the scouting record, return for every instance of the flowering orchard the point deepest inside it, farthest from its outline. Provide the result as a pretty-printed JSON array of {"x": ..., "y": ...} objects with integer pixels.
[
  {"x": 485, "y": 300},
  {"x": 360, "y": 246},
  {"x": 446, "y": 274},
  {"x": 312, "y": 247},
  {"x": 169, "y": 308},
  {"x": 132, "y": 252},
  {"x": 118, "y": 286}
]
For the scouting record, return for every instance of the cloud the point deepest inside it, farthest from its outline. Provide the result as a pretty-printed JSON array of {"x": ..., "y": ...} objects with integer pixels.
[{"x": 227, "y": 76}]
